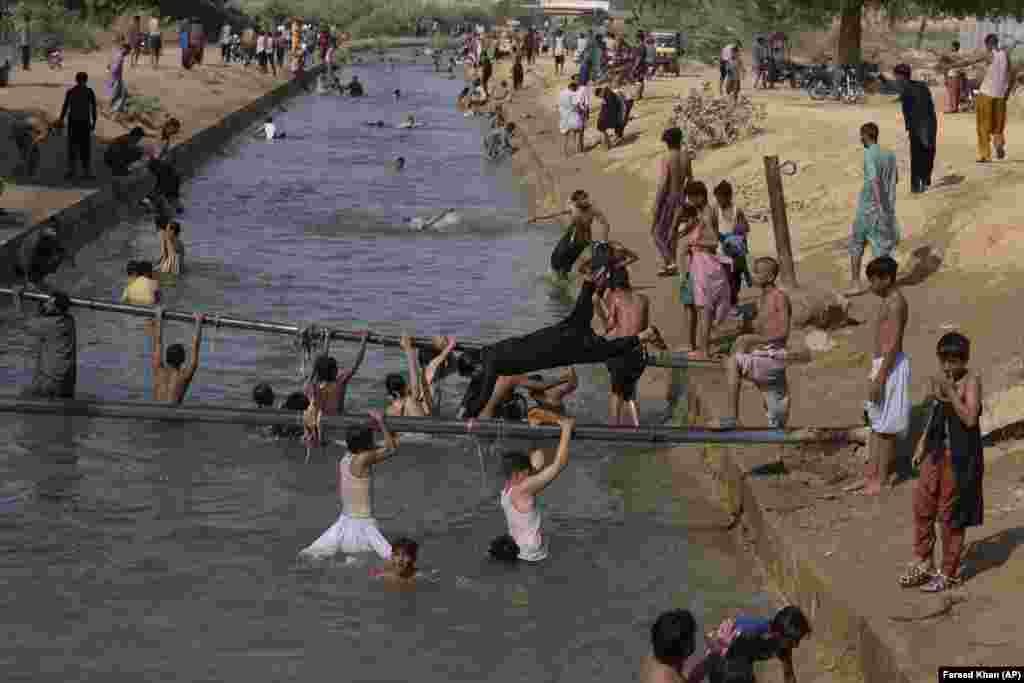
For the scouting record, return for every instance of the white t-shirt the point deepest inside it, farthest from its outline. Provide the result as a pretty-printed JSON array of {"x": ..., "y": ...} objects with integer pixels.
[
  {"x": 559, "y": 46},
  {"x": 270, "y": 130}
]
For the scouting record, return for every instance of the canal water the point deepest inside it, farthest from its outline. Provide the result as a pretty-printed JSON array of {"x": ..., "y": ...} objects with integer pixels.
[{"x": 147, "y": 551}]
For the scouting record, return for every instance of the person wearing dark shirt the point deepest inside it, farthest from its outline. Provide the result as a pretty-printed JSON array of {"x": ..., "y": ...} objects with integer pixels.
[
  {"x": 39, "y": 255},
  {"x": 80, "y": 111},
  {"x": 56, "y": 359},
  {"x": 124, "y": 151},
  {"x": 166, "y": 195},
  {"x": 922, "y": 127},
  {"x": 355, "y": 88},
  {"x": 757, "y": 640}
]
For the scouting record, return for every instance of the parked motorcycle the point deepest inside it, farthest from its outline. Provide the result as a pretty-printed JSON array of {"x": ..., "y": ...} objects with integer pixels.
[{"x": 841, "y": 84}]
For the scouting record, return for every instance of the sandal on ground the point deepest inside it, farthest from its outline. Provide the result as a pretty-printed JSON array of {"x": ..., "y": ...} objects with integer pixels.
[
  {"x": 937, "y": 584},
  {"x": 916, "y": 575}
]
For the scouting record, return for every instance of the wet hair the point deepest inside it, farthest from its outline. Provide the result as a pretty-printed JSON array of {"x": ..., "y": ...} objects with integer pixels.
[
  {"x": 723, "y": 189},
  {"x": 688, "y": 212},
  {"x": 791, "y": 623},
  {"x": 902, "y": 70},
  {"x": 160, "y": 221},
  {"x": 729, "y": 669},
  {"x": 955, "y": 345},
  {"x": 395, "y": 384},
  {"x": 175, "y": 355},
  {"x": 504, "y": 549},
  {"x": 510, "y": 127},
  {"x": 325, "y": 369},
  {"x": 174, "y": 227},
  {"x": 573, "y": 85},
  {"x": 870, "y": 130},
  {"x": 672, "y": 635},
  {"x": 81, "y": 77},
  {"x": 883, "y": 266},
  {"x": 673, "y": 137},
  {"x": 514, "y": 462},
  {"x": 769, "y": 260},
  {"x": 359, "y": 438},
  {"x": 263, "y": 395},
  {"x": 619, "y": 279},
  {"x": 132, "y": 268},
  {"x": 696, "y": 188},
  {"x": 467, "y": 363},
  {"x": 578, "y": 196},
  {"x": 270, "y": 120},
  {"x": 61, "y": 302},
  {"x": 992, "y": 40},
  {"x": 956, "y": 44},
  {"x": 405, "y": 545},
  {"x": 296, "y": 401}
]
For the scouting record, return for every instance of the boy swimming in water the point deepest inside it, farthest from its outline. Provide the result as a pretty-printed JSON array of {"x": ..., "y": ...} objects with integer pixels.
[
  {"x": 355, "y": 530},
  {"x": 401, "y": 569},
  {"x": 519, "y": 495},
  {"x": 673, "y": 640},
  {"x": 171, "y": 382}
]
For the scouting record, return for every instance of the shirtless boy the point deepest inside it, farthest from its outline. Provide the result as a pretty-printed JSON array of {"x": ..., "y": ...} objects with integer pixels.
[
  {"x": 888, "y": 404},
  {"x": 409, "y": 399},
  {"x": 579, "y": 233},
  {"x": 673, "y": 640},
  {"x": 507, "y": 384},
  {"x": 760, "y": 357},
  {"x": 625, "y": 313},
  {"x": 171, "y": 382},
  {"x": 550, "y": 402}
]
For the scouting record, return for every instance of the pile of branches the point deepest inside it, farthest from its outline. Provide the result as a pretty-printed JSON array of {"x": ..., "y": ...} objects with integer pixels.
[{"x": 708, "y": 121}]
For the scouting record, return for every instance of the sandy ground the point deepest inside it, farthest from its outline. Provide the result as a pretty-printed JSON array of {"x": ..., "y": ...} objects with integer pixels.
[
  {"x": 198, "y": 98},
  {"x": 959, "y": 254}
]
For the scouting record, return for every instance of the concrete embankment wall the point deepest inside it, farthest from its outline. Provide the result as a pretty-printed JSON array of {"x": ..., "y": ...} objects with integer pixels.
[
  {"x": 794, "y": 573},
  {"x": 83, "y": 222}
]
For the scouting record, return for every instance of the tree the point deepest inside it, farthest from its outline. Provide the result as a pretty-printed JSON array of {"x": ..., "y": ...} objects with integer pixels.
[{"x": 850, "y": 14}]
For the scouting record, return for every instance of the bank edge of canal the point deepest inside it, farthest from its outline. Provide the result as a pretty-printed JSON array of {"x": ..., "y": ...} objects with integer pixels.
[{"x": 84, "y": 221}]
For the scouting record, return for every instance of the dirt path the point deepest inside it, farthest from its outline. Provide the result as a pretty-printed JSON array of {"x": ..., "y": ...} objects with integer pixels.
[{"x": 198, "y": 98}]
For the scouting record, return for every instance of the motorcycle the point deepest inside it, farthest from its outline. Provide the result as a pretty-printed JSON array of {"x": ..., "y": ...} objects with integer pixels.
[{"x": 841, "y": 84}]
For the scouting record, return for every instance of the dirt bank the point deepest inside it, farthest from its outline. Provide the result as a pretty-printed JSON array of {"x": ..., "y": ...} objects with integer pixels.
[
  {"x": 198, "y": 98},
  {"x": 963, "y": 235}
]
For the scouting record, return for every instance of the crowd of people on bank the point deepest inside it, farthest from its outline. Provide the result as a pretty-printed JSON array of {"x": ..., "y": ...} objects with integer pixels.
[{"x": 702, "y": 240}]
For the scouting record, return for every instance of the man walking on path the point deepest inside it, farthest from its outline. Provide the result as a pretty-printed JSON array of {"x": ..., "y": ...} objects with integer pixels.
[
  {"x": 875, "y": 221},
  {"x": 80, "y": 110},
  {"x": 118, "y": 90},
  {"x": 990, "y": 104},
  {"x": 922, "y": 127},
  {"x": 25, "y": 43}
]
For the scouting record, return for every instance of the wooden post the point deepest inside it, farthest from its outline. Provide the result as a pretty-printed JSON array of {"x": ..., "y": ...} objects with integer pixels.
[{"x": 780, "y": 224}]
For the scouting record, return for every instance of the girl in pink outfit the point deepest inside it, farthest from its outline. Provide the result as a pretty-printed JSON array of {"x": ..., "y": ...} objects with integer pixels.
[{"x": 706, "y": 291}]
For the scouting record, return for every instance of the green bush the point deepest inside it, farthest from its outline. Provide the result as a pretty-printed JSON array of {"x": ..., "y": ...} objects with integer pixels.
[{"x": 143, "y": 105}]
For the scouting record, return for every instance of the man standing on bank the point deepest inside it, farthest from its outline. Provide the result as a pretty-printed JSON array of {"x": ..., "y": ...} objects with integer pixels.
[
  {"x": 80, "y": 110},
  {"x": 922, "y": 127},
  {"x": 990, "y": 104}
]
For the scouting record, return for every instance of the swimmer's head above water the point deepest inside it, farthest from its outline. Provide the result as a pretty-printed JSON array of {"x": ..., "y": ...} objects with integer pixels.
[
  {"x": 359, "y": 438},
  {"x": 263, "y": 395},
  {"x": 399, "y": 163},
  {"x": 404, "y": 552},
  {"x": 395, "y": 385},
  {"x": 504, "y": 549}
]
